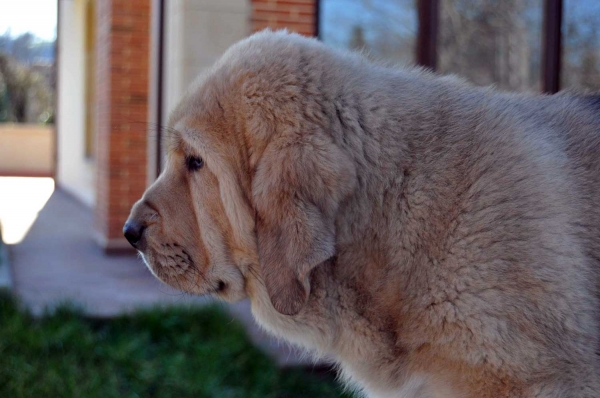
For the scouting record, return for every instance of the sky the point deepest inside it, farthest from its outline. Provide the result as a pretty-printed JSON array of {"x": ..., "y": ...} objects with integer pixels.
[
  {"x": 35, "y": 16},
  {"x": 339, "y": 16}
]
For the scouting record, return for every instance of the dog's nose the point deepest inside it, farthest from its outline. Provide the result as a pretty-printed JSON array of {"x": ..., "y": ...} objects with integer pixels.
[{"x": 133, "y": 232}]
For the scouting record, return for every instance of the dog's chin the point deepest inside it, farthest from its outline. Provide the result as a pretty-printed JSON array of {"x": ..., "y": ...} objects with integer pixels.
[
  {"x": 186, "y": 281},
  {"x": 230, "y": 288}
]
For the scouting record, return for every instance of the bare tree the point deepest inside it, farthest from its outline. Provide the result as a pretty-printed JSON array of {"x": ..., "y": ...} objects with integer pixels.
[
  {"x": 383, "y": 29},
  {"x": 357, "y": 40},
  {"x": 485, "y": 41},
  {"x": 581, "y": 49},
  {"x": 25, "y": 94},
  {"x": 490, "y": 42}
]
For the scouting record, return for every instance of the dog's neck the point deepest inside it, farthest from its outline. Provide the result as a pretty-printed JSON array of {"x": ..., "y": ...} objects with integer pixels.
[{"x": 341, "y": 312}]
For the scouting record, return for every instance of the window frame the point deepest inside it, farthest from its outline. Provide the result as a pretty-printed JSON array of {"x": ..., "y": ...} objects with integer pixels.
[{"x": 426, "y": 54}]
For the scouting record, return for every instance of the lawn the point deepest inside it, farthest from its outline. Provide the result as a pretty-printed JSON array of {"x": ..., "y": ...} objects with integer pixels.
[{"x": 174, "y": 352}]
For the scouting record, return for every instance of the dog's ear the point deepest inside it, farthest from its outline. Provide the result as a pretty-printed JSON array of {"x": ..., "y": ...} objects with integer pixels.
[{"x": 297, "y": 189}]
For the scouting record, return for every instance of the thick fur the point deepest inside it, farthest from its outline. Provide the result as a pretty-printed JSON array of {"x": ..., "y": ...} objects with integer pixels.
[{"x": 435, "y": 239}]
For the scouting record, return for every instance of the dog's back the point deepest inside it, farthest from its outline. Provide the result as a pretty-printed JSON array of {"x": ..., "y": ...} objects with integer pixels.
[
  {"x": 468, "y": 250},
  {"x": 584, "y": 151},
  {"x": 497, "y": 228},
  {"x": 572, "y": 123}
]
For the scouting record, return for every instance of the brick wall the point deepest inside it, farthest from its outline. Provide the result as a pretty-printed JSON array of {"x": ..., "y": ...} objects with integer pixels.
[
  {"x": 122, "y": 72},
  {"x": 122, "y": 48},
  {"x": 296, "y": 15}
]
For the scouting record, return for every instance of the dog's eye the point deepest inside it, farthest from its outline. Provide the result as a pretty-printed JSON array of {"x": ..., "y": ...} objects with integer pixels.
[{"x": 194, "y": 163}]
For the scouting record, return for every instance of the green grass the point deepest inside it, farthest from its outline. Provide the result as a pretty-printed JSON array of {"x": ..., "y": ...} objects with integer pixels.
[{"x": 175, "y": 352}]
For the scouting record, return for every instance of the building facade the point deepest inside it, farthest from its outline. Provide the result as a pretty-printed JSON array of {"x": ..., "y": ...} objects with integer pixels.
[{"x": 124, "y": 64}]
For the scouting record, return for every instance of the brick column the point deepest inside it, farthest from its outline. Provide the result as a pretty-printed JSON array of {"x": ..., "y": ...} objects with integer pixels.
[
  {"x": 122, "y": 48},
  {"x": 295, "y": 15}
]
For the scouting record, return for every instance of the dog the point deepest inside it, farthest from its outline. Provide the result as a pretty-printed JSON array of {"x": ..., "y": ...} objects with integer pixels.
[{"x": 435, "y": 239}]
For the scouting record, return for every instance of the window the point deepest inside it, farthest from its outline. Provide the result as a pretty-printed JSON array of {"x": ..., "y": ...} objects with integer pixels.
[
  {"x": 492, "y": 42},
  {"x": 581, "y": 45},
  {"x": 517, "y": 45},
  {"x": 383, "y": 29}
]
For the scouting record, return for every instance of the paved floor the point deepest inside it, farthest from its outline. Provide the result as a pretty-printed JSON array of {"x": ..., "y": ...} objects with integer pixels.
[
  {"x": 21, "y": 199},
  {"x": 58, "y": 260}
]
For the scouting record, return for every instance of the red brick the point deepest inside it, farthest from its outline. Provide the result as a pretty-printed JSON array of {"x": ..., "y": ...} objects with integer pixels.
[
  {"x": 295, "y": 15},
  {"x": 122, "y": 93}
]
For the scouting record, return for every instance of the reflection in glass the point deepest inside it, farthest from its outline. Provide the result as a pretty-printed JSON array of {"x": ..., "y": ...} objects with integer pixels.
[
  {"x": 383, "y": 29},
  {"x": 581, "y": 45},
  {"x": 492, "y": 42}
]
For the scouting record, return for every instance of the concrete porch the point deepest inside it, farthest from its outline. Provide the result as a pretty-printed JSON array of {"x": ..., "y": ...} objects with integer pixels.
[{"x": 58, "y": 260}]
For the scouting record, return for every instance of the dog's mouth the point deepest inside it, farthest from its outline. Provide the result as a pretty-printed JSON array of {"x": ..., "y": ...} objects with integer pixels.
[{"x": 174, "y": 266}]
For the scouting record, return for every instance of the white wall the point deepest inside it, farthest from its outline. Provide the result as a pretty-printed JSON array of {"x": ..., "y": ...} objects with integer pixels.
[
  {"x": 75, "y": 173},
  {"x": 197, "y": 33}
]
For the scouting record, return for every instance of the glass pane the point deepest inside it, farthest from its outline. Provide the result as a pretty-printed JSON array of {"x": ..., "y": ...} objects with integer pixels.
[
  {"x": 581, "y": 45},
  {"x": 384, "y": 29},
  {"x": 492, "y": 42}
]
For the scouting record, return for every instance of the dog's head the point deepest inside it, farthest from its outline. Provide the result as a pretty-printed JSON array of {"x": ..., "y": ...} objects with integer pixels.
[{"x": 252, "y": 181}]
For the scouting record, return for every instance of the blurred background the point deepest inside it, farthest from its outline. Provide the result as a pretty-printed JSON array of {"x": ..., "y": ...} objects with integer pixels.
[{"x": 85, "y": 86}]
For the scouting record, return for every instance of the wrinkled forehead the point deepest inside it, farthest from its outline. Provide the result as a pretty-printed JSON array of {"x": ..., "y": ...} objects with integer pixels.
[
  {"x": 184, "y": 137},
  {"x": 185, "y": 124},
  {"x": 172, "y": 140},
  {"x": 200, "y": 123}
]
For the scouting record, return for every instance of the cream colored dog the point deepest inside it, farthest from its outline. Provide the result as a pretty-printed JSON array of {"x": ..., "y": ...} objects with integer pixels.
[{"x": 436, "y": 239}]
